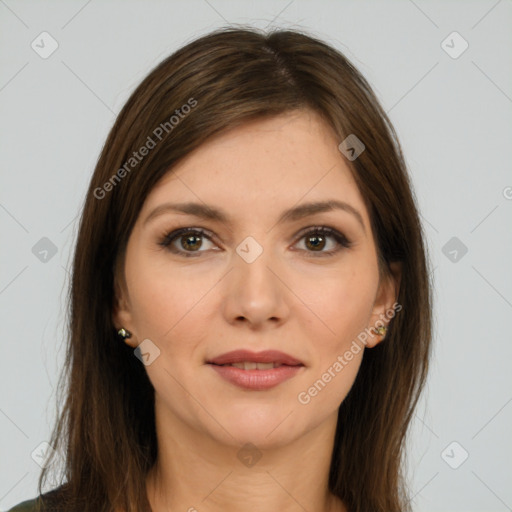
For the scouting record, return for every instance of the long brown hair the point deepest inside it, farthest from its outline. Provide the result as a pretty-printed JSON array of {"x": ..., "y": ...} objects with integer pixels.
[{"x": 106, "y": 429}]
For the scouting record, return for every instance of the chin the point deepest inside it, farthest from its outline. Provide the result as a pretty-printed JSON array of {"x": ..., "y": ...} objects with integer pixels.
[{"x": 266, "y": 425}]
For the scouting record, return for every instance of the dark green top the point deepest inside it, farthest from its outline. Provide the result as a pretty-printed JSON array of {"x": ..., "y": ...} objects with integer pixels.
[
  {"x": 25, "y": 506},
  {"x": 51, "y": 501}
]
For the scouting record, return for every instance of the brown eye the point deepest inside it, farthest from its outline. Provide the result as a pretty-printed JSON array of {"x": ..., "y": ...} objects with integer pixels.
[
  {"x": 186, "y": 241},
  {"x": 316, "y": 239},
  {"x": 191, "y": 241},
  {"x": 315, "y": 242}
]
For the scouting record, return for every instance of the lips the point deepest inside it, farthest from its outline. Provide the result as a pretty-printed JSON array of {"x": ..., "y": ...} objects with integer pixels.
[
  {"x": 256, "y": 371},
  {"x": 253, "y": 360}
]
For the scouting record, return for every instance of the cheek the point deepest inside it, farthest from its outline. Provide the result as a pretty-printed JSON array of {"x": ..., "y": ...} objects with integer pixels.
[
  {"x": 168, "y": 304},
  {"x": 342, "y": 305}
]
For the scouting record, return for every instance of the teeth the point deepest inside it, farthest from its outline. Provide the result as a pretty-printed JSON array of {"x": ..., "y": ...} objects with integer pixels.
[
  {"x": 249, "y": 365},
  {"x": 266, "y": 366}
]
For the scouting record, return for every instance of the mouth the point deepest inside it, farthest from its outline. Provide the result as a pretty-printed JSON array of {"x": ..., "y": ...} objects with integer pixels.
[
  {"x": 246, "y": 357},
  {"x": 251, "y": 365},
  {"x": 256, "y": 371}
]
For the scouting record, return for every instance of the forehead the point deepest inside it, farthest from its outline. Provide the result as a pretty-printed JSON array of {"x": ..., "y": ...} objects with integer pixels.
[{"x": 263, "y": 165}]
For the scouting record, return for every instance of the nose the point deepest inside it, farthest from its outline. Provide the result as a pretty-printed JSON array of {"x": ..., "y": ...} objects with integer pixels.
[{"x": 255, "y": 292}]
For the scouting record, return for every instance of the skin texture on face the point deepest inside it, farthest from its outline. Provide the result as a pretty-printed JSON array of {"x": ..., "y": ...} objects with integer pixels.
[{"x": 294, "y": 297}]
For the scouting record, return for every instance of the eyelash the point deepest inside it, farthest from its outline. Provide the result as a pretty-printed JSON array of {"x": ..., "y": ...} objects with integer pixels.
[{"x": 341, "y": 240}]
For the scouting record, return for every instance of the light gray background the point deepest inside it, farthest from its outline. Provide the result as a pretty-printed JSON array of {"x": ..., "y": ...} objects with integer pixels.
[{"x": 453, "y": 116}]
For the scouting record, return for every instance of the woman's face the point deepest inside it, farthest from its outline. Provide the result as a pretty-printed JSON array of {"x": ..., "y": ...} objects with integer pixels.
[{"x": 256, "y": 280}]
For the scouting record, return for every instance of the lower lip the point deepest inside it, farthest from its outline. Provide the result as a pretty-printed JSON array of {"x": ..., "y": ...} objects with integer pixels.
[{"x": 256, "y": 380}]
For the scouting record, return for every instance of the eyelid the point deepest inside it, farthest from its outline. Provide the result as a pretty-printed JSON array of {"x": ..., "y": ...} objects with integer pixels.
[
  {"x": 340, "y": 239},
  {"x": 170, "y": 236}
]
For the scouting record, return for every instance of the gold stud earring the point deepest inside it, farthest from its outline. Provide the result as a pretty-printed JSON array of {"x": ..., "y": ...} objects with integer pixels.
[
  {"x": 380, "y": 331},
  {"x": 123, "y": 333}
]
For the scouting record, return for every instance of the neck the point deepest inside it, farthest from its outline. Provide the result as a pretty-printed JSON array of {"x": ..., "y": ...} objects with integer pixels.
[{"x": 195, "y": 473}]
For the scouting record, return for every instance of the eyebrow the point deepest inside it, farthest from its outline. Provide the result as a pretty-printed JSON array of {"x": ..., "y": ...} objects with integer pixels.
[{"x": 205, "y": 211}]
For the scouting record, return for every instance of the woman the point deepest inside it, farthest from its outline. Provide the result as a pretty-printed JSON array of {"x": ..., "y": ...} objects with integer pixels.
[{"x": 250, "y": 318}]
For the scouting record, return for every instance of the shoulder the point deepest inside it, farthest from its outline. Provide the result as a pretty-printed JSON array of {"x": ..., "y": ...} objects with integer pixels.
[
  {"x": 51, "y": 501},
  {"x": 25, "y": 506}
]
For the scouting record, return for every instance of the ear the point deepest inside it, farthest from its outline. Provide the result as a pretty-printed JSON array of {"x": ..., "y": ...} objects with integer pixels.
[
  {"x": 385, "y": 300},
  {"x": 121, "y": 312}
]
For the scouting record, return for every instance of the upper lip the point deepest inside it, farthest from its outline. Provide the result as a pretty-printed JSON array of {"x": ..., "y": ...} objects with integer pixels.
[{"x": 266, "y": 356}]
